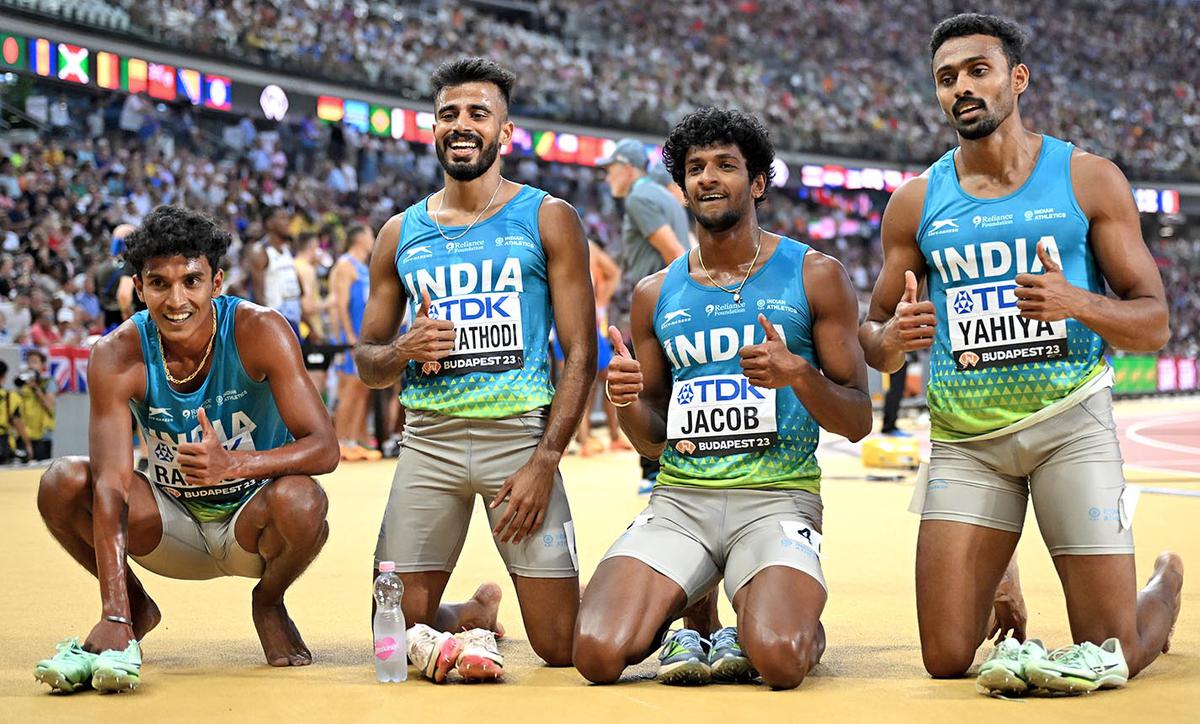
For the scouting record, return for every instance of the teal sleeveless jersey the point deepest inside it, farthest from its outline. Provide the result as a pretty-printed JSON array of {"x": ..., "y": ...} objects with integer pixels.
[
  {"x": 241, "y": 410},
  {"x": 991, "y": 367},
  {"x": 491, "y": 282},
  {"x": 722, "y": 432}
]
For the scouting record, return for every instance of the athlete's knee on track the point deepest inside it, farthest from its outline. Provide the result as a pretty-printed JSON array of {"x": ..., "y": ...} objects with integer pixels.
[
  {"x": 599, "y": 656},
  {"x": 554, "y": 649},
  {"x": 62, "y": 487},
  {"x": 949, "y": 656},
  {"x": 783, "y": 659}
]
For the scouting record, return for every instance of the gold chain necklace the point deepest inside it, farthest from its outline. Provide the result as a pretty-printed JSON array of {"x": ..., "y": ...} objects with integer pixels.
[
  {"x": 478, "y": 216},
  {"x": 162, "y": 353},
  {"x": 737, "y": 291}
]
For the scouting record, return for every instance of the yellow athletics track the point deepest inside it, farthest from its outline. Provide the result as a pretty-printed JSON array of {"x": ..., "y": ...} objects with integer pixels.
[{"x": 204, "y": 662}]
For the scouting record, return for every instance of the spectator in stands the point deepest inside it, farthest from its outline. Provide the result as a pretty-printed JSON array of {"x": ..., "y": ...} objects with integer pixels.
[
  {"x": 38, "y": 398},
  {"x": 15, "y": 446}
]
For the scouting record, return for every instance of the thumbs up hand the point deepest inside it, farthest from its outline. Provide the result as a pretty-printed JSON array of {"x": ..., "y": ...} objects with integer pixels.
[
  {"x": 624, "y": 373},
  {"x": 429, "y": 339},
  {"x": 771, "y": 364},
  {"x": 912, "y": 325},
  {"x": 1047, "y": 297},
  {"x": 205, "y": 462}
]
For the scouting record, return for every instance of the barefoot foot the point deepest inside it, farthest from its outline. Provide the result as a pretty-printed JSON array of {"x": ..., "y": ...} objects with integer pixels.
[
  {"x": 1169, "y": 568},
  {"x": 280, "y": 640},
  {"x": 482, "y": 610}
]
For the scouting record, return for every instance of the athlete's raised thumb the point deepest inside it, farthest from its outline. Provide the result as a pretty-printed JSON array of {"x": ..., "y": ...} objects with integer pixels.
[
  {"x": 1048, "y": 262},
  {"x": 206, "y": 428},
  {"x": 910, "y": 287},
  {"x": 423, "y": 310},
  {"x": 772, "y": 333},
  {"x": 618, "y": 342}
]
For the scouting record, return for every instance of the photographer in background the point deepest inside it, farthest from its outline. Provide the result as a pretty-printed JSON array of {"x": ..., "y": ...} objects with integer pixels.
[
  {"x": 37, "y": 403},
  {"x": 12, "y": 427}
]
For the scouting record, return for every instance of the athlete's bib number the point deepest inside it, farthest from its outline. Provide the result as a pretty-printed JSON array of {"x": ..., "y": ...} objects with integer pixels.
[
  {"x": 720, "y": 415},
  {"x": 987, "y": 329},
  {"x": 488, "y": 333}
]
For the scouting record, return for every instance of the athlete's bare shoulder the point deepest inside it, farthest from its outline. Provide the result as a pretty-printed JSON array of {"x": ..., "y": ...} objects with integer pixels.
[
  {"x": 262, "y": 336},
  {"x": 555, "y": 212},
  {"x": 116, "y": 360},
  {"x": 1097, "y": 182},
  {"x": 388, "y": 238}
]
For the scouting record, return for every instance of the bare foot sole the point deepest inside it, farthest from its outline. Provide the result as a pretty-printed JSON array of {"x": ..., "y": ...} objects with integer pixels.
[
  {"x": 483, "y": 608},
  {"x": 280, "y": 640},
  {"x": 1168, "y": 562}
]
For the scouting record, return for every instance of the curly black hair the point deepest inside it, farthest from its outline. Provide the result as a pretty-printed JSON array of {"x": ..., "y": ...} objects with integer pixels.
[
  {"x": 1012, "y": 38},
  {"x": 473, "y": 70},
  {"x": 717, "y": 126},
  {"x": 176, "y": 231}
]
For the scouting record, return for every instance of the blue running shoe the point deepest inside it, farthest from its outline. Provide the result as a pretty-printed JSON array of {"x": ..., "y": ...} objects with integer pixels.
[
  {"x": 727, "y": 660},
  {"x": 683, "y": 660}
]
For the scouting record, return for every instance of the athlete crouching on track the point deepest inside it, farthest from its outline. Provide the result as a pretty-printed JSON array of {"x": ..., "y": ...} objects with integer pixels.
[{"x": 235, "y": 431}]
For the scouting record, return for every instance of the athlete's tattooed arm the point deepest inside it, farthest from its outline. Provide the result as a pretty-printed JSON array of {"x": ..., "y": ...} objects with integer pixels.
[
  {"x": 642, "y": 387},
  {"x": 117, "y": 376},
  {"x": 835, "y": 390},
  {"x": 1138, "y": 320},
  {"x": 573, "y": 302},
  {"x": 380, "y": 355},
  {"x": 897, "y": 322}
]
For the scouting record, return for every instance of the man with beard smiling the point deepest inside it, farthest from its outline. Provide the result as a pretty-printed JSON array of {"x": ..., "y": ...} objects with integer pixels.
[
  {"x": 235, "y": 430},
  {"x": 1016, "y": 234},
  {"x": 744, "y": 346},
  {"x": 485, "y": 262}
]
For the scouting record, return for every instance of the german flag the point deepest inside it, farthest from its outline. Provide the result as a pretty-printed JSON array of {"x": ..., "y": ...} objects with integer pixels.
[{"x": 330, "y": 108}]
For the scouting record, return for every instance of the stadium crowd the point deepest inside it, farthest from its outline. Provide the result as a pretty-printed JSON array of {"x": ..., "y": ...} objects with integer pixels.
[
  {"x": 110, "y": 159},
  {"x": 846, "y": 78}
]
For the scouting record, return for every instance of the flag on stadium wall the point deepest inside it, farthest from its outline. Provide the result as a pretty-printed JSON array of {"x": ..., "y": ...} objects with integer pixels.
[
  {"x": 108, "y": 70},
  {"x": 73, "y": 64},
  {"x": 42, "y": 58},
  {"x": 68, "y": 366},
  {"x": 381, "y": 121},
  {"x": 12, "y": 51},
  {"x": 133, "y": 75},
  {"x": 160, "y": 81},
  {"x": 358, "y": 114},
  {"x": 330, "y": 108},
  {"x": 190, "y": 85},
  {"x": 218, "y": 92}
]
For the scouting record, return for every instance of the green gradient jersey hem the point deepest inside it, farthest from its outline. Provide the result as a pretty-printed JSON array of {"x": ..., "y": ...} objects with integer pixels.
[{"x": 1032, "y": 409}]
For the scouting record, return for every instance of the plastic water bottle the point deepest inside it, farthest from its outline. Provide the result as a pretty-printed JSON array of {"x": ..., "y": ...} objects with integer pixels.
[{"x": 391, "y": 650}]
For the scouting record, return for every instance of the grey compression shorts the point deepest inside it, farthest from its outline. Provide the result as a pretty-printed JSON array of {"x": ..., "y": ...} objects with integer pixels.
[
  {"x": 444, "y": 463},
  {"x": 695, "y": 536},
  {"x": 192, "y": 550},
  {"x": 1070, "y": 464}
]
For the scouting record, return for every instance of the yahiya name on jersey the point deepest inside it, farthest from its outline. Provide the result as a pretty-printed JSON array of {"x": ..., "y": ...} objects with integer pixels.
[{"x": 987, "y": 330}]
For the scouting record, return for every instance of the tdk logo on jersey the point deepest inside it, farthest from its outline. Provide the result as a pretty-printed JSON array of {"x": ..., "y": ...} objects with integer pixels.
[
  {"x": 963, "y": 303},
  {"x": 418, "y": 252},
  {"x": 719, "y": 389},
  {"x": 466, "y": 309},
  {"x": 992, "y": 258},
  {"x": 984, "y": 222},
  {"x": 943, "y": 226}
]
